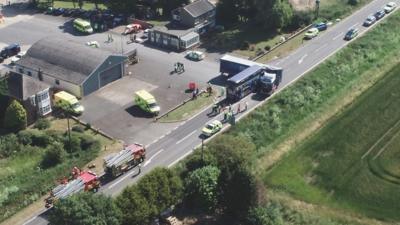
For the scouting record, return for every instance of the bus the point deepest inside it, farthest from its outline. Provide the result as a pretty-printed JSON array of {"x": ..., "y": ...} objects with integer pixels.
[
  {"x": 256, "y": 78},
  {"x": 83, "y": 26}
]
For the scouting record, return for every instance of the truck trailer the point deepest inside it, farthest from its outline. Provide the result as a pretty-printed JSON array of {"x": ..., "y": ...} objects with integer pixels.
[
  {"x": 231, "y": 65},
  {"x": 118, "y": 163},
  {"x": 79, "y": 181}
]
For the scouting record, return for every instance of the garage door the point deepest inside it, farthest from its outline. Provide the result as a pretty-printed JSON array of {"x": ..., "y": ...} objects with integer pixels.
[{"x": 110, "y": 75}]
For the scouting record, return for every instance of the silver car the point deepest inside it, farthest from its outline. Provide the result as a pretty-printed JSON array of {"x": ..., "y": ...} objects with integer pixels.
[{"x": 369, "y": 21}]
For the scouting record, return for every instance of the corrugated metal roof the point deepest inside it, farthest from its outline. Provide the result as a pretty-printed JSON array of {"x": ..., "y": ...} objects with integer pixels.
[
  {"x": 189, "y": 36},
  {"x": 199, "y": 7}
]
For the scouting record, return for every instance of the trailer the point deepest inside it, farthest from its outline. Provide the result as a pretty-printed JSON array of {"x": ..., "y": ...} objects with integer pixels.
[
  {"x": 118, "y": 163},
  {"x": 79, "y": 182},
  {"x": 231, "y": 65}
]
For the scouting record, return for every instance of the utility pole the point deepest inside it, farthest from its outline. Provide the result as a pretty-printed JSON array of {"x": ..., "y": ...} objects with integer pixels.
[
  {"x": 317, "y": 8},
  {"x": 202, "y": 151},
  {"x": 69, "y": 133}
]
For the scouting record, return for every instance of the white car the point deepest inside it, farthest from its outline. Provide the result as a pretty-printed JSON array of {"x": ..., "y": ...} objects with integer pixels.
[
  {"x": 390, "y": 7},
  {"x": 195, "y": 55},
  {"x": 93, "y": 44},
  {"x": 17, "y": 57}
]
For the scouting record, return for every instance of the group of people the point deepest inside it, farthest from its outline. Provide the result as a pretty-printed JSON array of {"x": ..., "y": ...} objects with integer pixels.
[
  {"x": 110, "y": 38},
  {"x": 228, "y": 112}
]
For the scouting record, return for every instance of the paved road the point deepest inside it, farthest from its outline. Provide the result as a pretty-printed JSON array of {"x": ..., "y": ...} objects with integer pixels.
[{"x": 171, "y": 148}]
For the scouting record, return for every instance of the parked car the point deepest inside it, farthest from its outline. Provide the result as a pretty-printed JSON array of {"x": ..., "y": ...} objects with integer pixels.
[
  {"x": 93, "y": 44},
  {"x": 132, "y": 28},
  {"x": 390, "y": 7},
  {"x": 321, "y": 26},
  {"x": 369, "y": 21},
  {"x": 212, "y": 128},
  {"x": 311, "y": 33},
  {"x": 67, "y": 12},
  {"x": 58, "y": 11},
  {"x": 352, "y": 33},
  {"x": 380, "y": 14},
  {"x": 49, "y": 11},
  {"x": 17, "y": 57},
  {"x": 10, "y": 50},
  {"x": 195, "y": 55},
  {"x": 77, "y": 12}
]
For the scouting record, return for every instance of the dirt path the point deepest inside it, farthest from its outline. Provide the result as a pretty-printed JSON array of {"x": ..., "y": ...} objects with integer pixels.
[{"x": 303, "y": 5}]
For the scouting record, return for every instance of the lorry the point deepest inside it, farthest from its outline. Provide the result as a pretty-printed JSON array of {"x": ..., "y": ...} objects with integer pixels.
[
  {"x": 69, "y": 99},
  {"x": 231, "y": 65},
  {"x": 147, "y": 102},
  {"x": 80, "y": 181},
  {"x": 261, "y": 79},
  {"x": 118, "y": 163}
]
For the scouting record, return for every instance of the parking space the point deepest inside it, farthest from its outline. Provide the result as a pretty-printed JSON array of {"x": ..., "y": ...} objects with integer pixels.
[{"x": 111, "y": 108}]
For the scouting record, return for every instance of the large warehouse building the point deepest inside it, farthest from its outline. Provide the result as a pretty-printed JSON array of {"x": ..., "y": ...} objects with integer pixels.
[{"x": 71, "y": 66}]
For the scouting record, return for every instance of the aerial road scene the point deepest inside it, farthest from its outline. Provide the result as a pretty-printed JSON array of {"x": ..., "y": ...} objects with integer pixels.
[{"x": 199, "y": 112}]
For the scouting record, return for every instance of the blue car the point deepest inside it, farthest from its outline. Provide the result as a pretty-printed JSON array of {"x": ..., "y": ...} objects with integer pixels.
[{"x": 321, "y": 26}]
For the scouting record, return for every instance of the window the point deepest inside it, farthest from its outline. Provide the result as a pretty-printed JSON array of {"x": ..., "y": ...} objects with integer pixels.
[
  {"x": 42, "y": 96},
  {"x": 21, "y": 70},
  {"x": 57, "y": 82},
  {"x": 45, "y": 110},
  {"x": 29, "y": 73}
]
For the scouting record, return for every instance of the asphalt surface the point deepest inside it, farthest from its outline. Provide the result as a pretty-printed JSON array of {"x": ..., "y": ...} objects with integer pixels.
[{"x": 168, "y": 150}]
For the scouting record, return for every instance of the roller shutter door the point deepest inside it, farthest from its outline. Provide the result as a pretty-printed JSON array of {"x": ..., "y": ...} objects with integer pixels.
[{"x": 110, "y": 75}]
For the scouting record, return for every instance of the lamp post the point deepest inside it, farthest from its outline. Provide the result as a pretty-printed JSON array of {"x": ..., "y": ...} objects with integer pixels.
[
  {"x": 317, "y": 8},
  {"x": 202, "y": 151}
]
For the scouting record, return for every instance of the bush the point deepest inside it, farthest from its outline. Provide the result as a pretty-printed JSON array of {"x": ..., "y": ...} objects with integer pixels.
[
  {"x": 267, "y": 48},
  {"x": 54, "y": 155},
  {"x": 88, "y": 142},
  {"x": 9, "y": 145},
  {"x": 244, "y": 45},
  {"x": 15, "y": 118},
  {"x": 259, "y": 52},
  {"x": 40, "y": 139},
  {"x": 42, "y": 124},
  {"x": 78, "y": 129},
  {"x": 353, "y": 2},
  {"x": 301, "y": 19},
  {"x": 25, "y": 137},
  {"x": 88, "y": 126},
  {"x": 268, "y": 215},
  {"x": 73, "y": 144}
]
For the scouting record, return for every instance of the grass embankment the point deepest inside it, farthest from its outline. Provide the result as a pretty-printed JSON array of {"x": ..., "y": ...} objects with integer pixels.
[
  {"x": 353, "y": 162},
  {"x": 294, "y": 113},
  {"x": 69, "y": 5},
  {"x": 22, "y": 178},
  {"x": 233, "y": 39},
  {"x": 189, "y": 109}
]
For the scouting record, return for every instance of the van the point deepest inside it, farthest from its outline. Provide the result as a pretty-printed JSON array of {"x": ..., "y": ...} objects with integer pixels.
[
  {"x": 147, "y": 102},
  {"x": 82, "y": 26},
  {"x": 71, "y": 100}
]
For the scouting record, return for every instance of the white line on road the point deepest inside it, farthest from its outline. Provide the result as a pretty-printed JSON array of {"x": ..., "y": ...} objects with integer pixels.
[
  {"x": 180, "y": 158},
  {"x": 337, "y": 36},
  {"x": 149, "y": 160},
  {"x": 354, "y": 25},
  {"x": 185, "y": 137},
  {"x": 30, "y": 220},
  {"x": 302, "y": 58},
  {"x": 323, "y": 46}
]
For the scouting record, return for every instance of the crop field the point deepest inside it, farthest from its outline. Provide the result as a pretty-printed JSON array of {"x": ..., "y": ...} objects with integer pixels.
[{"x": 354, "y": 161}]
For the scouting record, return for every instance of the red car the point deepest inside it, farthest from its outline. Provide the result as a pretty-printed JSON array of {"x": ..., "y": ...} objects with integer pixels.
[{"x": 132, "y": 28}]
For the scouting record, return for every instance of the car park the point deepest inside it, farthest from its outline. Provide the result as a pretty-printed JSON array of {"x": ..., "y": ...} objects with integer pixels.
[
  {"x": 58, "y": 11},
  {"x": 67, "y": 12},
  {"x": 369, "y": 21},
  {"x": 17, "y": 57},
  {"x": 389, "y": 7},
  {"x": 321, "y": 26},
  {"x": 10, "y": 50},
  {"x": 380, "y": 14},
  {"x": 77, "y": 12},
  {"x": 195, "y": 55},
  {"x": 311, "y": 33},
  {"x": 212, "y": 128},
  {"x": 352, "y": 33},
  {"x": 49, "y": 11}
]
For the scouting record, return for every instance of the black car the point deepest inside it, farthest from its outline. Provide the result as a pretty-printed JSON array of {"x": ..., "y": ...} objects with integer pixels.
[
  {"x": 67, "y": 12},
  {"x": 10, "y": 50},
  {"x": 77, "y": 12},
  {"x": 58, "y": 11},
  {"x": 380, "y": 14},
  {"x": 352, "y": 33}
]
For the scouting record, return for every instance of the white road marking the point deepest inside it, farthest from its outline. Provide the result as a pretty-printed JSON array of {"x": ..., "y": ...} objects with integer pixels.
[
  {"x": 302, "y": 58},
  {"x": 149, "y": 160},
  {"x": 180, "y": 158},
  {"x": 354, "y": 25},
  {"x": 323, "y": 46},
  {"x": 186, "y": 137},
  {"x": 337, "y": 36}
]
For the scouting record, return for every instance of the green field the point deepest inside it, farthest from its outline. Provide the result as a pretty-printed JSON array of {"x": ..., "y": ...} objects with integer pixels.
[{"x": 353, "y": 162}]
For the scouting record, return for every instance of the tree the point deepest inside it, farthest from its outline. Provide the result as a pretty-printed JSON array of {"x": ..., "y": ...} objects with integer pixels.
[
  {"x": 15, "y": 117},
  {"x": 80, "y": 3},
  {"x": 201, "y": 187},
  {"x": 273, "y": 14},
  {"x": 85, "y": 209},
  {"x": 135, "y": 208},
  {"x": 3, "y": 86},
  {"x": 54, "y": 155},
  {"x": 122, "y": 6},
  {"x": 227, "y": 11}
]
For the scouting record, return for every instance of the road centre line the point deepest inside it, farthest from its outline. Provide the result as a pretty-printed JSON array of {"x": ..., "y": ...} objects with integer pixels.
[
  {"x": 323, "y": 46},
  {"x": 302, "y": 58},
  {"x": 149, "y": 160},
  {"x": 354, "y": 25},
  {"x": 186, "y": 137},
  {"x": 337, "y": 36},
  {"x": 30, "y": 220}
]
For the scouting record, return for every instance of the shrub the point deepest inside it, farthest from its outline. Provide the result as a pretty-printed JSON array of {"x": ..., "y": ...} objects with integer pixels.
[
  {"x": 15, "y": 118},
  {"x": 73, "y": 144},
  {"x": 9, "y": 145},
  {"x": 88, "y": 126},
  {"x": 42, "y": 124},
  {"x": 259, "y": 52},
  {"x": 88, "y": 142},
  {"x": 352, "y": 2},
  {"x": 267, "y": 48},
  {"x": 40, "y": 139},
  {"x": 268, "y": 215},
  {"x": 78, "y": 129},
  {"x": 25, "y": 137},
  {"x": 301, "y": 19},
  {"x": 244, "y": 45},
  {"x": 54, "y": 155}
]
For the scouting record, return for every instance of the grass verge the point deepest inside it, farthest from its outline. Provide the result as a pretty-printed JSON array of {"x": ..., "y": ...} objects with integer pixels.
[
  {"x": 189, "y": 108},
  {"x": 364, "y": 139},
  {"x": 69, "y": 5}
]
